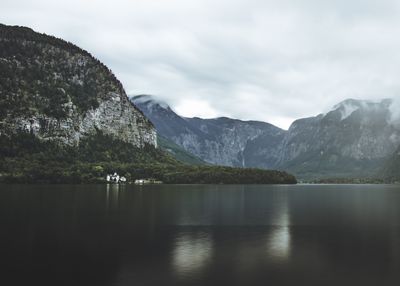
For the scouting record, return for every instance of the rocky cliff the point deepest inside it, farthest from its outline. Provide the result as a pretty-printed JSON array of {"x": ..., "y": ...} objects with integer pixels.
[
  {"x": 355, "y": 138},
  {"x": 391, "y": 169},
  {"x": 229, "y": 141},
  {"x": 221, "y": 141},
  {"x": 57, "y": 91}
]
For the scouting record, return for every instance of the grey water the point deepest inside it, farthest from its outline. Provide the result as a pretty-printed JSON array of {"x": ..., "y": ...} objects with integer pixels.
[{"x": 199, "y": 235}]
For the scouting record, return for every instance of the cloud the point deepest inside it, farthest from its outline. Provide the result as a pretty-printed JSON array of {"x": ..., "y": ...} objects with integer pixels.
[
  {"x": 252, "y": 59},
  {"x": 395, "y": 112}
]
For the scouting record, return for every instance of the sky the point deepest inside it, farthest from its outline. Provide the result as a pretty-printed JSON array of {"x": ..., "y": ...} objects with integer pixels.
[{"x": 274, "y": 61}]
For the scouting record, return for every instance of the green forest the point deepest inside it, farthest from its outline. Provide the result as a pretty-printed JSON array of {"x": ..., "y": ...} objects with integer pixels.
[
  {"x": 26, "y": 159},
  {"x": 37, "y": 75}
]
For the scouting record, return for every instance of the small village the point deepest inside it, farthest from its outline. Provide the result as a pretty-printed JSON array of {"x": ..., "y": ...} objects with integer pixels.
[{"x": 117, "y": 179}]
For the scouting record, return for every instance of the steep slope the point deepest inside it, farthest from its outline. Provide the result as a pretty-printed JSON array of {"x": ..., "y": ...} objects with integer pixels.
[
  {"x": 391, "y": 169},
  {"x": 230, "y": 141},
  {"x": 221, "y": 141},
  {"x": 65, "y": 118},
  {"x": 57, "y": 91},
  {"x": 167, "y": 122},
  {"x": 265, "y": 150},
  {"x": 178, "y": 152},
  {"x": 353, "y": 139}
]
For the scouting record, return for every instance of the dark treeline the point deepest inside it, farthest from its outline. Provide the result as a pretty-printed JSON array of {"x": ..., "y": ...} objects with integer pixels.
[
  {"x": 351, "y": 181},
  {"x": 26, "y": 159},
  {"x": 17, "y": 33}
]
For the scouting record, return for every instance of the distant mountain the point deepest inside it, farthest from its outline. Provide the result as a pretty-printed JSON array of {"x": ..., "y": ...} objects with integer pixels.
[
  {"x": 221, "y": 141},
  {"x": 178, "y": 152},
  {"x": 354, "y": 139},
  {"x": 391, "y": 170}
]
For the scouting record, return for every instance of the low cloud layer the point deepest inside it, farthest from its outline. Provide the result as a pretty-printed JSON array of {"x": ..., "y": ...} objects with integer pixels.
[
  {"x": 395, "y": 112},
  {"x": 251, "y": 59}
]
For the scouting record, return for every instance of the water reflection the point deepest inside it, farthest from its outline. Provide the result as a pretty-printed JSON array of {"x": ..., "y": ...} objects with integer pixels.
[
  {"x": 199, "y": 235},
  {"x": 112, "y": 196},
  {"x": 278, "y": 242},
  {"x": 191, "y": 253}
]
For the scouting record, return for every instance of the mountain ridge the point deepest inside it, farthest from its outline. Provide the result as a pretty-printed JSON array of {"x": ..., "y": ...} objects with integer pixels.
[
  {"x": 65, "y": 118},
  {"x": 58, "y": 91},
  {"x": 353, "y": 139},
  {"x": 209, "y": 139}
]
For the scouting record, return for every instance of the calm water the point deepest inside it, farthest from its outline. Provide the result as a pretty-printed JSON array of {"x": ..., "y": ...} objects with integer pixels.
[{"x": 199, "y": 235}]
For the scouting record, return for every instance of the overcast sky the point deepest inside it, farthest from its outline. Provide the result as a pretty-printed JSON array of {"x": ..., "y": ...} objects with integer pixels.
[{"x": 250, "y": 59}]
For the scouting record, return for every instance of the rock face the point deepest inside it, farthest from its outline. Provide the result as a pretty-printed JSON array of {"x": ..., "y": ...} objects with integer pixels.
[
  {"x": 221, "y": 141},
  {"x": 391, "y": 169},
  {"x": 58, "y": 91},
  {"x": 228, "y": 141},
  {"x": 354, "y": 139}
]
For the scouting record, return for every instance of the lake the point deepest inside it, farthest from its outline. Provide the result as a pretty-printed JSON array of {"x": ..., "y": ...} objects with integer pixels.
[{"x": 199, "y": 235}]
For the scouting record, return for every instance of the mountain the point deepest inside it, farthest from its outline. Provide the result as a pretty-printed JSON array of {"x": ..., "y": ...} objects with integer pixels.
[
  {"x": 220, "y": 141},
  {"x": 57, "y": 91},
  {"x": 391, "y": 170},
  {"x": 354, "y": 139},
  {"x": 178, "y": 152},
  {"x": 65, "y": 118}
]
